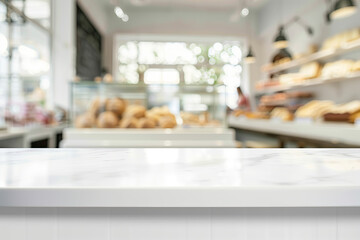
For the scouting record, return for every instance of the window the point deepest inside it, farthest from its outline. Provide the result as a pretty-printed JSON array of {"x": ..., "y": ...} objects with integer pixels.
[
  {"x": 161, "y": 76},
  {"x": 209, "y": 63}
]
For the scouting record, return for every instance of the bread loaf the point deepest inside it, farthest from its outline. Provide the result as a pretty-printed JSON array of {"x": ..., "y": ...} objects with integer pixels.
[
  {"x": 86, "y": 120},
  {"x": 116, "y": 105},
  {"x": 107, "y": 120}
]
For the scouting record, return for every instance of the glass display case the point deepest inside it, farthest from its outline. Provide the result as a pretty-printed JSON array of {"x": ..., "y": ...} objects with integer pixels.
[
  {"x": 25, "y": 62},
  {"x": 196, "y": 100}
]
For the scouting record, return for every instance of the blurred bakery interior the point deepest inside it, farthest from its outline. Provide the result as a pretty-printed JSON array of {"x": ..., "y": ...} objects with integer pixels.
[{"x": 180, "y": 73}]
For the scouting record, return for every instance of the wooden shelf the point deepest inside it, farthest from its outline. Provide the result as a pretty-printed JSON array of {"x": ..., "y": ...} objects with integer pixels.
[
  {"x": 307, "y": 83},
  {"x": 322, "y": 55}
]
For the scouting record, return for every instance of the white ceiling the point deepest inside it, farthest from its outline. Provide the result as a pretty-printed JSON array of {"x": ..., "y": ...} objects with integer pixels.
[{"x": 191, "y": 4}]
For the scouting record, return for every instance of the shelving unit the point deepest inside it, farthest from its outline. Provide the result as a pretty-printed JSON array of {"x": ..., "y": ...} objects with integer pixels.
[
  {"x": 334, "y": 133},
  {"x": 322, "y": 55},
  {"x": 307, "y": 83}
]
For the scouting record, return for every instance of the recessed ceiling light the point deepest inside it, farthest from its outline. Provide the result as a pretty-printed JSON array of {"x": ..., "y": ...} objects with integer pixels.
[
  {"x": 119, "y": 12},
  {"x": 245, "y": 12},
  {"x": 125, "y": 18}
]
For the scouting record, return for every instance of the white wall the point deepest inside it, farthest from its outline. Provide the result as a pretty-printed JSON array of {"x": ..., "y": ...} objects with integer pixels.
[
  {"x": 63, "y": 50},
  {"x": 150, "y": 20},
  {"x": 313, "y": 13}
]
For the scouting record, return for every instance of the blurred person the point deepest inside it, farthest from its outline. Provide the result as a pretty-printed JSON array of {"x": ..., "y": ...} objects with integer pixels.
[{"x": 243, "y": 102}]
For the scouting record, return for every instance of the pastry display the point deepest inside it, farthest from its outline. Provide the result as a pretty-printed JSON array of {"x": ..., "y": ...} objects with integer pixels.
[
  {"x": 257, "y": 115},
  {"x": 86, "y": 120},
  {"x": 354, "y": 117},
  {"x": 167, "y": 122},
  {"x": 338, "y": 40},
  {"x": 117, "y": 113},
  {"x": 290, "y": 100},
  {"x": 314, "y": 109},
  {"x": 147, "y": 123},
  {"x": 337, "y": 69},
  {"x": 282, "y": 113},
  {"x": 265, "y": 84},
  {"x": 97, "y": 106},
  {"x": 310, "y": 70},
  {"x": 307, "y": 71},
  {"x": 356, "y": 66},
  {"x": 344, "y": 112},
  {"x": 129, "y": 123},
  {"x": 135, "y": 111},
  {"x": 116, "y": 105},
  {"x": 107, "y": 120},
  {"x": 290, "y": 78},
  {"x": 202, "y": 119}
]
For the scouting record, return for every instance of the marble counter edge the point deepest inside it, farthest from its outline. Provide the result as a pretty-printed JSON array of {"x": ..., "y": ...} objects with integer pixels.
[{"x": 287, "y": 196}]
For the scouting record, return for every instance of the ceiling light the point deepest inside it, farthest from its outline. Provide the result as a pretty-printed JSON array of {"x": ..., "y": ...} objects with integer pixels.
[
  {"x": 245, "y": 12},
  {"x": 125, "y": 18},
  {"x": 119, "y": 12},
  {"x": 250, "y": 57},
  {"x": 343, "y": 8},
  {"x": 281, "y": 41}
]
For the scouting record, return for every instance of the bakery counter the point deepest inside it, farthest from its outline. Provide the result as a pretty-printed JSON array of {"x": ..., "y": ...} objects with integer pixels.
[
  {"x": 195, "y": 137},
  {"x": 32, "y": 137},
  {"x": 12, "y": 138},
  {"x": 180, "y": 194},
  {"x": 327, "y": 134}
]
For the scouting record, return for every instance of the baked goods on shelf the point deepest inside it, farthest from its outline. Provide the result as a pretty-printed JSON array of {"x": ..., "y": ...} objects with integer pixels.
[
  {"x": 290, "y": 100},
  {"x": 282, "y": 113},
  {"x": 257, "y": 115},
  {"x": 333, "y": 43},
  {"x": 266, "y": 84},
  {"x": 314, "y": 109},
  {"x": 344, "y": 112},
  {"x": 307, "y": 71},
  {"x": 310, "y": 70},
  {"x": 337, "y": 69},
  {"x": 338, "y": 40},
  {"x": 356, "y": 66}
]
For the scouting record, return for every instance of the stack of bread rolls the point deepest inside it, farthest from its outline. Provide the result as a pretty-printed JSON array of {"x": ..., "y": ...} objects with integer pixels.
[{"x": 117, "y": 113}]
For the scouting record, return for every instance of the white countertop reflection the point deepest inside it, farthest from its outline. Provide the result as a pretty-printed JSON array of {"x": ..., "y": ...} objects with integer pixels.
[{"x": 197, "y": 175}]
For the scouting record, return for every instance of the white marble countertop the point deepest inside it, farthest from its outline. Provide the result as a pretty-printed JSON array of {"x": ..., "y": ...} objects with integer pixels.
[{"x": 179, "y": 177}]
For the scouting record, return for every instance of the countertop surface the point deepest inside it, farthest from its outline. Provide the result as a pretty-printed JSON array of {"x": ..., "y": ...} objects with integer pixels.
[{"x": 180, "y": 177}]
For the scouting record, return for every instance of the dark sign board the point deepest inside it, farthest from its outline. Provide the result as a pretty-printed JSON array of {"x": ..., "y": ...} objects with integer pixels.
[{"x": 88, "y": 47}]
